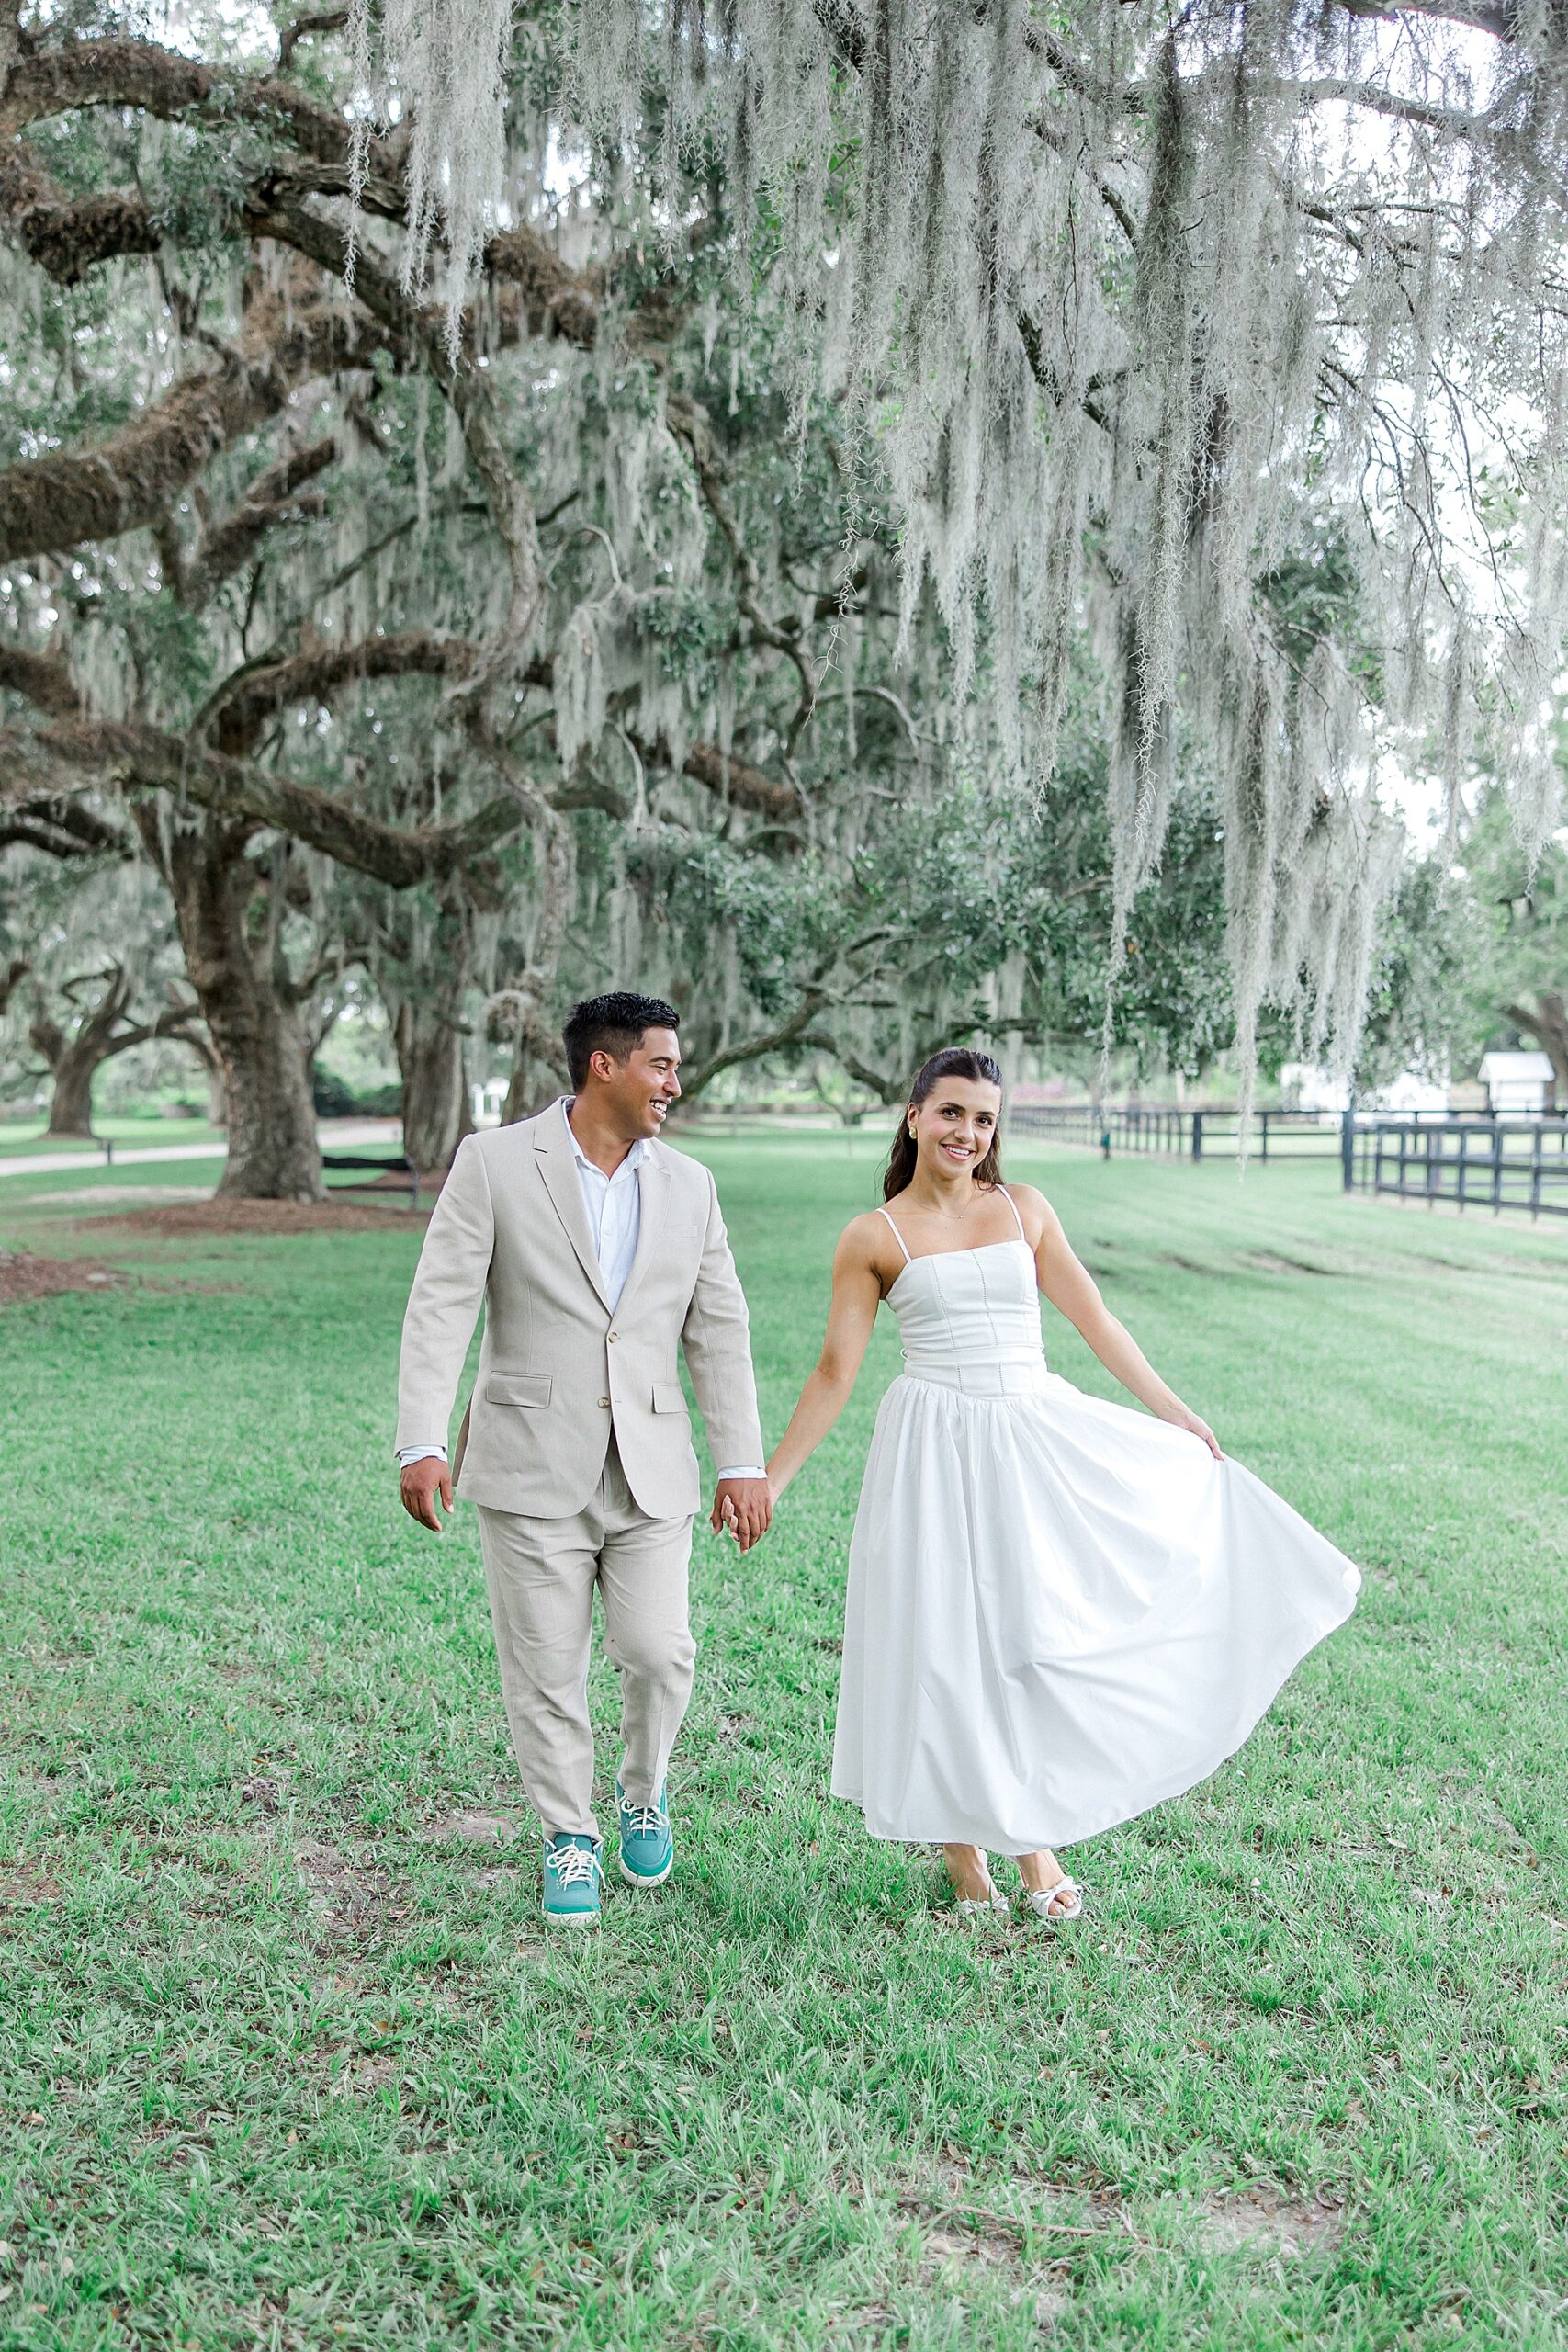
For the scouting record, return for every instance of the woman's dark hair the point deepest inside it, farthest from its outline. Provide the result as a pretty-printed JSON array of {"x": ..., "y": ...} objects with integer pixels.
[{"x": 954, "y": 1061}]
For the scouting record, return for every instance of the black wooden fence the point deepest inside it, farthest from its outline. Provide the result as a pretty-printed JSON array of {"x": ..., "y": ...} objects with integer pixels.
[
  {"x": 1174, "y": 1134},
  {"x": 1471, "y": 1162},
  {"x": 1503, "y": 1163}
]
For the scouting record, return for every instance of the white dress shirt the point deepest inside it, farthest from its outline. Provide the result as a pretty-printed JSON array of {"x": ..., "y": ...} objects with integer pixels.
[{"x": 615, "y": 1219}]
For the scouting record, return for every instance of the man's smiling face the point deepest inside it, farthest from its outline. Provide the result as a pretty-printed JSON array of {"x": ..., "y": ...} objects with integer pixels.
[{"x": 642, "y": 1088}]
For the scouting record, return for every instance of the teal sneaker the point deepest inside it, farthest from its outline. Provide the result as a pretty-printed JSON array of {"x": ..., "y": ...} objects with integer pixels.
[
  {"x": 648, "y": 1849},
  {"x": 574, "y": 1875}
]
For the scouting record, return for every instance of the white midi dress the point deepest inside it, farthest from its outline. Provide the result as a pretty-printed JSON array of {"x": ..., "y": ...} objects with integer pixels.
[{"x": 1060, "y": 1611}]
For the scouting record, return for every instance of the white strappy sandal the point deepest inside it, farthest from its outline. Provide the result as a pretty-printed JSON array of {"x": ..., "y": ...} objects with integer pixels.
[
  {"x": 1036, "y": 1901},
  {"x": 982, "y": 1907},
  {"x": 992, "y": 1904}
]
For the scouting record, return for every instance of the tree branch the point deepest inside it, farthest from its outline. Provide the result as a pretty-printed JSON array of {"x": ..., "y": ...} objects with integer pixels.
[
  {"x": 319, "y": 21},
  {"x": 62, "y": 758},
  {"x": 272, "y": 498},
  {"x": 49, "y": 503},
  {"x": 422, "y": 332},
  {"x": 727, "y": 778},
  {"x": 11, "y": 980},
  {"x": 64, "y": 829},
  {"x": 43, "y": 679},
  {"x": 240, "y": 709},
  {"x": 158, "y": 82},
  {"x": 750, "y": 1049},
  {"x": 66, "y": 236}
]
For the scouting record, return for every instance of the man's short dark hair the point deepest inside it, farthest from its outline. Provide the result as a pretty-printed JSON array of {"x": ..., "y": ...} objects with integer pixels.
[{"x": 612, "y": 1024}]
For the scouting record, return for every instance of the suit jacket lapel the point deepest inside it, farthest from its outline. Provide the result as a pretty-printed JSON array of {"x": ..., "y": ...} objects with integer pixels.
[
  {"x": 653, "y": 1199},
  {"x": 559, "y": 1171}
]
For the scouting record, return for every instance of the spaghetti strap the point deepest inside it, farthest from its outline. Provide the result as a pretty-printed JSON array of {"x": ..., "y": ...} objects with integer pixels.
[
  {"x": 900, "y": 1240},
  {"x": 1016, "y": 1218}
]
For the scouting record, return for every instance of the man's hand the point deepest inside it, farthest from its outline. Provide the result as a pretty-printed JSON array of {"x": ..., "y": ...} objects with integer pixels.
[
  {"x": 746, "y": 1506},
  {"x": 420, "y": 1484}
]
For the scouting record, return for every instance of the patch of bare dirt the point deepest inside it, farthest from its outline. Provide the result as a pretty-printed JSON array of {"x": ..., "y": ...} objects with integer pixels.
[
  {"x": 1272, "y": 2225},
  {"x": 23, "y": 1888},
  {"x": 352, "y": 1901},
  {"x": 1273, "y": 1261},
  {"x": 964, "y": 2244},
  {"x": 364, "y": 2077},
  {"x": 24, "y": 1276},
  {"x": 467, "y": 1829},
  {"x": 183, "y": 1220}
]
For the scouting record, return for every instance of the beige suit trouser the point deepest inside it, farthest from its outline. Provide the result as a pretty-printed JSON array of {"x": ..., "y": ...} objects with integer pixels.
[{"x": 541, "y": 1573}]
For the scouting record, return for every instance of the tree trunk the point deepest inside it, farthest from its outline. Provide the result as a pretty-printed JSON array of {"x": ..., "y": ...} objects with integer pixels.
[
  {"x": 538, "y": 1067},
  {"x": 538, "y": 1064},
  {"x": 436, "y": 1092},
  {"x": 1551, "y": 1027},
  {"x": 74, "y": 1058},
  {"x": 71, "y": 1105},
  {"x": 428, "y": 1027},
  {"x": 253, "y": 1016}
]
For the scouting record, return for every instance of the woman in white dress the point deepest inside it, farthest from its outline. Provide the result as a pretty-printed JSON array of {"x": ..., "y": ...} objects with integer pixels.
[{"x": 1060, "y": 1611}]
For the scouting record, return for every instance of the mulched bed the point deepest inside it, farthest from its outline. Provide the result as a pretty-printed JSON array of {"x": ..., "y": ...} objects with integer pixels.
[
  {"x": 184, "y": 1219},
  {"x": 23, "y": 1276}
]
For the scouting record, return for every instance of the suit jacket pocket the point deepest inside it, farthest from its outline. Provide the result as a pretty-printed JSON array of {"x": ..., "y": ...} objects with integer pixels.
[
  {"x": 517, "y": 1389},
  {"x": 669, "y": 1397}
]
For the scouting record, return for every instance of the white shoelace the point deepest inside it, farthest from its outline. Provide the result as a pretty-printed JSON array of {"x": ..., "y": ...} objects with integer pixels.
[
  {"x": 643, "y": 1820},
  {"x": 573, "y": 1863}
]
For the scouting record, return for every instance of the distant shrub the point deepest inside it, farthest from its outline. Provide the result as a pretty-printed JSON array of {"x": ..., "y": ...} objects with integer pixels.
[
  {"x": 332, "y": 1098},
  {"x": 335, "y": 1099}
]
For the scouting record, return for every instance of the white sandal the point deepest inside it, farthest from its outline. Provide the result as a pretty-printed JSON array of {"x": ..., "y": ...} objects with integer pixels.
[
  {"x": 1037, "y": 1901},
  {"x": 981, "y": 1906}
]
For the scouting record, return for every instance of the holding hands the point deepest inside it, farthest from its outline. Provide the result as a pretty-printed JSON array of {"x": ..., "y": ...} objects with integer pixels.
[{"x": 744, "y": 1505}]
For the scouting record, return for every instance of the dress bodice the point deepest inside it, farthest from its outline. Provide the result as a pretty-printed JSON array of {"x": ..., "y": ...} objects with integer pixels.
[{"x": 969, "y": 1316}]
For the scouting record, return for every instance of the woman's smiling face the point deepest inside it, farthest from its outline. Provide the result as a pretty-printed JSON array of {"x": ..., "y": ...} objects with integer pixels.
[{"x": 955, "y": 1126}]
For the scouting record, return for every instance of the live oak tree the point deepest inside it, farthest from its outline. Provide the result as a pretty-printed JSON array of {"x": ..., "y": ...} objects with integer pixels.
[
  {"x": 290, "y": 524},
  {"x": 102, "y": 977},
  {"x": 185, "y": 585}
]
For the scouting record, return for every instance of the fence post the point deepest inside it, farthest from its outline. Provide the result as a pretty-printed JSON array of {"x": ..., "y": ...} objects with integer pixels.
[
  {"x": 1497, "y": 1170},
  {"x": 1197, "y": 1135},
  {"x": 1535, "y": 1173},
  {"x": 108, "y": 1151},
  {"x": 1348, "y": 1149},
  {"x": 1263, "y": 1119}
]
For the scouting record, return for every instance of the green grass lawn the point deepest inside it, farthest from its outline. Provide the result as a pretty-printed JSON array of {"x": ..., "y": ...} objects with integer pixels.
[
  {"x": 287, "y": 2060},
  {"x": 23, "y": 1137}
]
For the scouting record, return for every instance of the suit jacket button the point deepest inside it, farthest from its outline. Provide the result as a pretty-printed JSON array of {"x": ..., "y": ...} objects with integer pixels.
[
  {"x": 606, "y": 1402},
  {"x": 614, "y": 1336}
]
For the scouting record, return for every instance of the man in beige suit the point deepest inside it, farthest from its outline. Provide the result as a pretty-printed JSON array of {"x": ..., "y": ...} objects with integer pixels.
[{"x": 598, "y": 1254}]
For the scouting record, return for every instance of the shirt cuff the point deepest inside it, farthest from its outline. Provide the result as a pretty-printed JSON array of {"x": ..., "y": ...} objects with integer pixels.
[
  {"x": 407, "y": 1453},
  {"x": 749, "y": 1472}
]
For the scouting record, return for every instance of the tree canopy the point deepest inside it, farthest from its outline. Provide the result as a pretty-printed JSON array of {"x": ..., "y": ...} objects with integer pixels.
[{"x": 876, "y": 514}]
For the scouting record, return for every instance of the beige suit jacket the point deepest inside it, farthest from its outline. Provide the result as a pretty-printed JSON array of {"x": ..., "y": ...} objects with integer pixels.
[{"x": 557, "y": 1372}]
